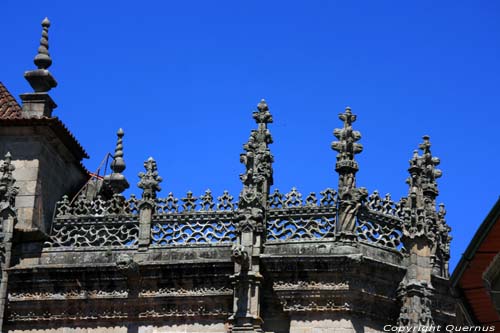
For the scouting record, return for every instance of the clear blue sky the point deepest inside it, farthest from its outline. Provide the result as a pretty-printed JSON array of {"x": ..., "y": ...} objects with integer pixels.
[{"x": 182, "y": 79}]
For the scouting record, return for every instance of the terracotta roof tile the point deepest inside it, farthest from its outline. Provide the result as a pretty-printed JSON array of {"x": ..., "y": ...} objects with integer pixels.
[{"x": 9, "y": 108}]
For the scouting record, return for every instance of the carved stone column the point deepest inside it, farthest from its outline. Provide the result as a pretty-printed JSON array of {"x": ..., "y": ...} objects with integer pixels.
[
  {"x": 423, "y": 229},
  {"x": 351, "y": 197},
  {"x": 149, "y": 183},
  {"x": 8, "y": 217},
  {"x": 247, "y": 278}
]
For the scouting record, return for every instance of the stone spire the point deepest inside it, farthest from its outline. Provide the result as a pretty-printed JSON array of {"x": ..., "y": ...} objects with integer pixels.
[
  {"x": 257, "y": 181},
  {"x": 8, "y": 191},
  {"x": 423, "y": 188},
  {"x": 347, "y": 147},
  {"x": 425, "y": 237},
  {"x": 42, "y": 59},
  {"x": 39, "y": 103},
  {"x": 117, "y": 181},
  {"x": 258, "y": 158}
]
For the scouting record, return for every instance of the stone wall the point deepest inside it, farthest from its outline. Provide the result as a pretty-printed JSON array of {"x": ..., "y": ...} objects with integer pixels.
[
  {"x": 333, "y": 323},
  {"x": 45, "y": 171},
  {"x": 188, "y": 325}
]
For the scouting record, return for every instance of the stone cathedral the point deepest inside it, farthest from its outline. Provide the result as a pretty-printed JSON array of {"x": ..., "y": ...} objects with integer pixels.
[{"x": 79, "y": 256}]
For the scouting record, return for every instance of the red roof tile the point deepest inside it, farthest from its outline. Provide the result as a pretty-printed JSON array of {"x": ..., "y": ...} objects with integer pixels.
[{"x": 9, "y": 108}]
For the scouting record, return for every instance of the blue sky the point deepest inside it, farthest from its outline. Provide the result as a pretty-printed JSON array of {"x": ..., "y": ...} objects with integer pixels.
[{"x": 182, "y": 79}]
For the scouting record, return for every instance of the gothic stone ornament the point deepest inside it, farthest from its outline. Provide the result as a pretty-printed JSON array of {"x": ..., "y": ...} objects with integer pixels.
[
  {"x": 117, "y": 182},
  {"x": 41, "y": 80},
  {"x": 240, "y": 256},
  {"x": 416, "y": 308},
  {"x": 150, "y": 180},
  {"x": 250, "y": 226},
  {"x": 8, "y": 191},
  {"x": 347, "y": 147},
  {"x": 350, "y": 205},
  {"x": 420, "y": 215},
  {"x": 424, "y": 230},
  {"x": 258, "y": 158}
]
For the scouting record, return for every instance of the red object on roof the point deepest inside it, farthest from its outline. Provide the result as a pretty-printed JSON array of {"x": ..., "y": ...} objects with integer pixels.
[{"x": 9, "y": 108}]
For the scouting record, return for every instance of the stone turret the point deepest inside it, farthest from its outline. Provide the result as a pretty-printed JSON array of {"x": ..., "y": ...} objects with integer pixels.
[{"x": 46, "y": 156}]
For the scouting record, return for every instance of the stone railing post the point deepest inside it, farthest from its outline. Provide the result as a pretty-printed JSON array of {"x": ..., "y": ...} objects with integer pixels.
[
  {"x": 350, "y": 197},
  {"x": 149, "y": 183}
]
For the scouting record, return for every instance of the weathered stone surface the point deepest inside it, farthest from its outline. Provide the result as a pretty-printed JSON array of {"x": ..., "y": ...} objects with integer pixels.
[{"x": 339, "y": 260}]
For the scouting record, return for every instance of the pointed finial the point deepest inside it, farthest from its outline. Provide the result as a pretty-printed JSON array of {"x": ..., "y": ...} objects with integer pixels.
[
  {"x": 41, "y": 80},
  {"x": 257, "y": 157},
  {"x": 150, "y": 180},
  {"x": 262, "y": 115},
  {"x": 426, "y": 145},
  {"x": 347, "y": 147},
  {"x": 42, "y": 59},
  {"x": 116, "y": 181},
  {"x": 118, "y": 164}
]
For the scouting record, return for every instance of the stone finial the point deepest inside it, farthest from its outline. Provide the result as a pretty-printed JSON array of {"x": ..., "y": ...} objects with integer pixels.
[
  {"x": 42, "y": 59},
  {"x": 347, "y": 147},
  {"x": 40, "y": 104},
  {"x": 423, "y": 175},
  {"x": 262, "y": 115},
  {"x": 117, "y": 181},
  {"x": 8, "y": 191},
  {"x": 118, "y": 164},
  {"x": 258, "y": 158},
  {"x": 150, "y": 180}
]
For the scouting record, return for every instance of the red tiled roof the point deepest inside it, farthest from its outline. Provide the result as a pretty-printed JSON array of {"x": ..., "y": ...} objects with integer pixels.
[
  {"x": 9, "y": 108},
  {"x": 468, "y": 275}
]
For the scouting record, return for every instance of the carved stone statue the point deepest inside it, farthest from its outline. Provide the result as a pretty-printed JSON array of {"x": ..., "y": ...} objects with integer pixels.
[{"x": 350, "y": 204}]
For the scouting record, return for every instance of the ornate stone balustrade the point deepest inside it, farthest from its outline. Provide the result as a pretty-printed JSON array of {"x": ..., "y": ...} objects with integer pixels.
[{"x": 207, "y": 220}]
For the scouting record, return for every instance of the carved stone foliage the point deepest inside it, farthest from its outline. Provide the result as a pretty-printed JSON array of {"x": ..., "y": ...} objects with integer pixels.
[
  {"x": 188, "y": 309},
  {"x": 67, "y": 294},
  {"x": 183, "y": 292},
  {"x": 421, "y": 218},
  {"x": 294, "y": 199},
  {"x": 416, "y": 310},
  {"x": 8, "y": 191},
  {"x": 347, "y": 147},
  {"x": 150, "y": 180},
  {"x": 83, "y": 207},
  {"x": 442, "y": 244},
  {"x": 311, "y": 302},
  {"x": 191, "y": 203}
]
